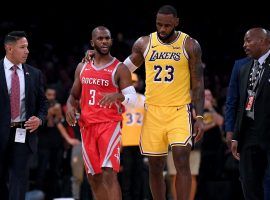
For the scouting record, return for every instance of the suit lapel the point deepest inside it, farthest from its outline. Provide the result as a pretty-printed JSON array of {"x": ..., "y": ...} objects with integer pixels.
[
  {"x": 245, "y": 76},
  {"x": 3, "y": 82},
  {"x": 265, "y": 76},
  {"x": 26, "y": 80}
]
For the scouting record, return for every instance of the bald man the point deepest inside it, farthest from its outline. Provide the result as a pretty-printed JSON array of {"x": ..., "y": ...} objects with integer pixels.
[
  {"x": 251, "y": 139},
  {"x": 103, "y": 87}
]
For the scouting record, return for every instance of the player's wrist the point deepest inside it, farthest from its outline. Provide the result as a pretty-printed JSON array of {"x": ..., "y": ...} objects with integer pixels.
[
  {"x": 129, "y": 95},
  {"x": 121, "y": 97},
  {"x": 40, "y": 122}
]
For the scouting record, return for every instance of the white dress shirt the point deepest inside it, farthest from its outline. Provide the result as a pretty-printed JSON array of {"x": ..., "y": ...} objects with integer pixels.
[{"x": 8, "y": 72}]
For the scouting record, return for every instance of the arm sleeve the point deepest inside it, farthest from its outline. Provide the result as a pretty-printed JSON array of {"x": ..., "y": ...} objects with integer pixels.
[
  {"x": 232, "y": 99},
  {"x": 130, "y": 96},
  {"x": 130, "y": 65}
]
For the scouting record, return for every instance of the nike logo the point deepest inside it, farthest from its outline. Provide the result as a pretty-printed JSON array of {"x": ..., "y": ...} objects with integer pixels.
[{"x": 154, "y": 46}]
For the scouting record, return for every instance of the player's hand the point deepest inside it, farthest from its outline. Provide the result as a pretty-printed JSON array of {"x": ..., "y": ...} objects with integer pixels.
[
  {"x": 32, "y": 124},
  {"x": 234, "y": 146},
  {"x": 70, "y": 115},
  {"x": 89, "y": 55},
  {"x": 198, "y": 129},
  {"x": 109, "y": 98}
]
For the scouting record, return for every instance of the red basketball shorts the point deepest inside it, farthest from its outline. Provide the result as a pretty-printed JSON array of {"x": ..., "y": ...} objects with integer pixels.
[{"x": 101, "y": 146}]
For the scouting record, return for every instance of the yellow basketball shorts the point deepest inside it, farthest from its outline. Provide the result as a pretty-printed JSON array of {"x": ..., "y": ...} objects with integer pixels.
[{"x": 164, "y": 126}]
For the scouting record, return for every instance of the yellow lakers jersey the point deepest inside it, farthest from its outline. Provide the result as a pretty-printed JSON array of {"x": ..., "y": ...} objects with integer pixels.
[
  {"x": 167, "y": 72},
  {"x": 132, "y": 122}
]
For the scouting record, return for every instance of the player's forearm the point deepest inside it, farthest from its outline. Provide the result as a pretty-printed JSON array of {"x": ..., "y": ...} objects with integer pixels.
[
  {"x": 72, "y": 101},
  {"x": 198, "y": 97},
  {"x": 197, "y": 85},
  {"x": 196, "y": 73}
]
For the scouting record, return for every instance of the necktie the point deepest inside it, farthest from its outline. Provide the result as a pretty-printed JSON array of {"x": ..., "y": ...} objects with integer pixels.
[
  {"x": 15, "y": 94},
  {"x": 255, "y": 73}
]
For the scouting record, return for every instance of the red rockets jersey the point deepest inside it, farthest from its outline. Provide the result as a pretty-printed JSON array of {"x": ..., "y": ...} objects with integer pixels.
[{"x": 97, "y": 81}]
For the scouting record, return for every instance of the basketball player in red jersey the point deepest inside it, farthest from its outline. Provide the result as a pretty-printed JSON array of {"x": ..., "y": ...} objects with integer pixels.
[{"x": 102, "y": 86}]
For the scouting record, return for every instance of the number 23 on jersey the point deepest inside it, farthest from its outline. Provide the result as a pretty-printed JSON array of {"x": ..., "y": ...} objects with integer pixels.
[{"x": 168, "y": 71}]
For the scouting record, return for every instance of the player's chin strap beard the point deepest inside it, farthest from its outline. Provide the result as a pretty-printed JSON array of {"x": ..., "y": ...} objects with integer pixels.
[{"x": 168, "y": 36}]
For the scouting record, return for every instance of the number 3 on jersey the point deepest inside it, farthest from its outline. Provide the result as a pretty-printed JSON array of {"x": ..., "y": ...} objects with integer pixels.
[
  {"x": 92, "y": 97},
  {"x": 169, "y": 73}
]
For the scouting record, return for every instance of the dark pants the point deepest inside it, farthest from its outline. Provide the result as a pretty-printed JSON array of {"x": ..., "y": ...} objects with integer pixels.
[
  {"x": 132, "y": 174},
  {"x": 49, "y": 171},
  {"x": 252, "y": 166},
  {"x": 14, "y": 169},
  {"x": 267, "y": 182}
]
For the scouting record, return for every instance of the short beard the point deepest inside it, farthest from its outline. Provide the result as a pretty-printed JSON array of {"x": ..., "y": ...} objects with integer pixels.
[
  {"x": 168, "y": 36},
  {"x": 102, "y": 53}
]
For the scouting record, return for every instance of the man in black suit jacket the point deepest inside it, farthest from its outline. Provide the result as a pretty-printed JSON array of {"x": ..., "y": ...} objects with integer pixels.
[
  {"x": 251, "y": 138},
  {"x": 18, "y": 139}
]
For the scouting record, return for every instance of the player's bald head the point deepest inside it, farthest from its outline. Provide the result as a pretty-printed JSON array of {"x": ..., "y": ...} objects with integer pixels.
[
  {"x": 99, "y": 29},
  {"x": 258, "y": 32},
  {"x": 256, "y": 42}
]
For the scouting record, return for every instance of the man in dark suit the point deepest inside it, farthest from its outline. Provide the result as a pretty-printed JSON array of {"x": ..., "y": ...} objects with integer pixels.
[
  {"x": 233, "y": 98},
  {"x": 232, "y": 101},
  {"x": 23, "y": 108},
  {"x": 251, "y": 137}
]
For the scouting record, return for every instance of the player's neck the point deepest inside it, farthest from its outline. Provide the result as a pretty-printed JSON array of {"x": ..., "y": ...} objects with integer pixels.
[{"x": 101, "y": 60}]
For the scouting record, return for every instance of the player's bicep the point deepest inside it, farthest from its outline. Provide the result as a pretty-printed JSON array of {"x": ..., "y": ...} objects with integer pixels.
[
  {"x": 137, "y": 57},
  {"x": 195, "y": 61}
]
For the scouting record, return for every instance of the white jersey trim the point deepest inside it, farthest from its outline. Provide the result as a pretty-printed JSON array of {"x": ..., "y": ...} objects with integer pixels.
[
  {"x": 184, "y": 50},
  {"x": 113, "y": 75},
  {"x": 148, "y": 46},
  {"x": 100, "y": 68},
  {"x": 115, "y": 139},
  {"x": 87, "y": 162},
  {"x": 85, "y": 64}
]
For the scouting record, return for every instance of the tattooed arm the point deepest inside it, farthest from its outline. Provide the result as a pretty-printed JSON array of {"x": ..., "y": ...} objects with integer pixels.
[
  {"x": 197, "y": 83},
  {"x": 136, "y": 58}
]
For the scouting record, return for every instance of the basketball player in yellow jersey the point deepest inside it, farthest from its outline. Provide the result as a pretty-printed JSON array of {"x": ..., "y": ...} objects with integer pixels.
[{"x": 173, "y": 68}]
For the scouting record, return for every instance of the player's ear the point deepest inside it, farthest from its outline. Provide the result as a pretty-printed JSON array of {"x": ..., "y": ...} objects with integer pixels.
[
  {"x": 92, "y": 43},
  {"x": 8, "y": 47}
]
